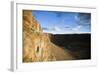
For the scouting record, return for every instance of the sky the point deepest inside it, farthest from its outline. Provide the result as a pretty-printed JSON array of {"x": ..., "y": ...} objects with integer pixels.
[{"x": 63, "y": 22}]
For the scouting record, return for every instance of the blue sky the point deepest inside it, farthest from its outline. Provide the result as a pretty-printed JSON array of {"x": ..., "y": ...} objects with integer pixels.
[{"x": 63, "y": 22}]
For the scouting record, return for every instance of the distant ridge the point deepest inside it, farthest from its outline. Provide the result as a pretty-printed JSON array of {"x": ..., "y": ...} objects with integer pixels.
[{"x": 71, "y": 33}]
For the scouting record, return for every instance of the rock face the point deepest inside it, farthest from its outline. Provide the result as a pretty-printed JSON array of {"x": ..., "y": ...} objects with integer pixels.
[
  {"x": 29, "y": 22},
  {"x": 34, "y": 40},
  {"x": 37, "y": 45}
]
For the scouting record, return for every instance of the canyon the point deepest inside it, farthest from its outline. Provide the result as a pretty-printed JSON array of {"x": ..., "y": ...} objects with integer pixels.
[{"x": 39, "y": 46}]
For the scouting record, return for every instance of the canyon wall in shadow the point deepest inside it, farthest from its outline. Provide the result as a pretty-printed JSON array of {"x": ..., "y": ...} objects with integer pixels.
[{"x": 78, "y": 44}]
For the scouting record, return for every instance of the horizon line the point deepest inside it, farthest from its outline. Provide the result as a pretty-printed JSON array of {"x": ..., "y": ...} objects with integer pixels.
[{"x": 70, "y": 33}]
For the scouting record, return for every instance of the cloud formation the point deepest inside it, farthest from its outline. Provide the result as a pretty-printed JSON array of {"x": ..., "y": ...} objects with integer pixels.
[
  {"x": 63, "y": 22},
  {"x": 77, "y": 28},
  {"x": 83, "y": 19},
  {"x": 52, "y": 29}
]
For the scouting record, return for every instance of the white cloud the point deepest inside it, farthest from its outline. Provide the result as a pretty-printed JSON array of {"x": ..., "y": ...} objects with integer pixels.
[
  {"x": 76, "y": 18},
  {"x": 53, "y": 30},
  {"x": 77, "y": 28},
  {"x": 57, "y": 28}
]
